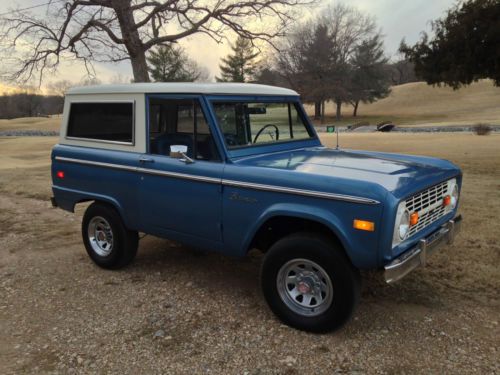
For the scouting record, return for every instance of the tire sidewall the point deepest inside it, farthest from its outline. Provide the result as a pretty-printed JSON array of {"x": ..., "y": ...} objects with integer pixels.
[
  {"x": 116, "y": 255},
  {"x": 321, "y": 251}
]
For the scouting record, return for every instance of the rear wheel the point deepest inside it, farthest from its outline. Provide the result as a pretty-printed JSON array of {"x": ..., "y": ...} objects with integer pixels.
[
  {"x": 309, "y": 283},
  {"x": 107, "y": 241}
]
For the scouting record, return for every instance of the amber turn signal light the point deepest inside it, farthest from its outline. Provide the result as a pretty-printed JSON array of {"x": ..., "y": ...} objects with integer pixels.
[
  {"x": 446, "y": 200},
  {"x": 413, "y": 219},
  {"x": 364, "y": 225}
]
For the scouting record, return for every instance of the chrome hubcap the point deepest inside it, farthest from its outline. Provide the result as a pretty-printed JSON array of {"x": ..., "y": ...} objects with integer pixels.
[
  {"x": 305, "y": 287},
  {"x": 100, "y": 236}
]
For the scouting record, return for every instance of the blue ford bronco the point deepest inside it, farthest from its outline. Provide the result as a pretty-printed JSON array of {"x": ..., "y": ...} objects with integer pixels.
[{"x": 234, "y": 167}]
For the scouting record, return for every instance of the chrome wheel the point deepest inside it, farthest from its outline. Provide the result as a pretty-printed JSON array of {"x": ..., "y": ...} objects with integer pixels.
[
  {"x": 100, "y": 236},
  {"x": 304, "y": 287}
]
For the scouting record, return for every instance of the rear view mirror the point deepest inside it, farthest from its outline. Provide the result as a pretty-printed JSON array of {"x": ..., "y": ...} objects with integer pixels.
[{"x": 256, "y": 110}]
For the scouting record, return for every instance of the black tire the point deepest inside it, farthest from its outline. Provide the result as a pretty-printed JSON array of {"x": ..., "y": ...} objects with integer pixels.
[
  {"x": 124, "y": 242},
  {"x": 319, "y": 249}
]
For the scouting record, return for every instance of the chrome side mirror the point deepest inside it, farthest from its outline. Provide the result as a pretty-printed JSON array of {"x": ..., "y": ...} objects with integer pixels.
[{"x": 180, "y": 152}]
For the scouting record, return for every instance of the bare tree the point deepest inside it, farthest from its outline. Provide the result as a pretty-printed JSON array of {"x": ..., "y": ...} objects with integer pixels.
[
  {"x": 348, "y": 28},
  {"x": 119, "y": 78},
  {"x": 60, "y": 87},
  {"x": 402, "y": 70},
  {"x": 307, "y": 62},
  {"x": 317, "y": 59},
  {"x": 114, "y": 30}
]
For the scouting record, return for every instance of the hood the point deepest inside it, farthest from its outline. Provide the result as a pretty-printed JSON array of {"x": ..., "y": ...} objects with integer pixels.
[{"x": 398, "y": 174}]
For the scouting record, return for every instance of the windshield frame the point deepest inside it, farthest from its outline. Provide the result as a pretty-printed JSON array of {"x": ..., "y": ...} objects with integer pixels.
[{"x": 259, "y": 148}]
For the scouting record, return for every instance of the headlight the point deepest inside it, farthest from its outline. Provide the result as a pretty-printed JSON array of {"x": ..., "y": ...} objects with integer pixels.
[
  {"x": 404, "y": 225},
  {"x": 454, "y": 197}
]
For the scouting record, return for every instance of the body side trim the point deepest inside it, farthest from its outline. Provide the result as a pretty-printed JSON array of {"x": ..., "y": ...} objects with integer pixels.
[
  {"x": 308, "y": 193},
  {"x": 240, "y": 184}
]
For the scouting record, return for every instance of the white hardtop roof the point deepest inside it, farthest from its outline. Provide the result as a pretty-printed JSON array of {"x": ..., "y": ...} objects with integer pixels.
[{"x": 183, "y": 88}]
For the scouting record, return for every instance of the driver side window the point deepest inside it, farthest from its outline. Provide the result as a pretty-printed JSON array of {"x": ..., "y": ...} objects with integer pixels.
[{"x": 180, "y": 122}]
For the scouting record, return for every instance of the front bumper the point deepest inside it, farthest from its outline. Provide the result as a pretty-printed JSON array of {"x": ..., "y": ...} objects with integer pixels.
[{"x": 417, "y": 256}]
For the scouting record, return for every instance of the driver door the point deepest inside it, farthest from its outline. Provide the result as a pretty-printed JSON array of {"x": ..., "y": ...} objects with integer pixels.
[{"x": 181, "y": 196}]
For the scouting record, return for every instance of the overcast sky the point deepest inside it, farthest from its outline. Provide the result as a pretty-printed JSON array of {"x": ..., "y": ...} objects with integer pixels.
[{"x": 397, "y": 19}]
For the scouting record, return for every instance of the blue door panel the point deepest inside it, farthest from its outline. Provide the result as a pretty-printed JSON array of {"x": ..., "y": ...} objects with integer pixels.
[{"x": 181, "y": 204}]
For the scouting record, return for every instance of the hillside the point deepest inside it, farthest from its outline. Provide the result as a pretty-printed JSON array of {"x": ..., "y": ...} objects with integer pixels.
[
  {"x": 418, "y": 103},
  {"x": 410, "y": 104}
]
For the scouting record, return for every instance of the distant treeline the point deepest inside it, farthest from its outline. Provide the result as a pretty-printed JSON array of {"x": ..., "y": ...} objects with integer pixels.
[{"x": 29, "y": 105}]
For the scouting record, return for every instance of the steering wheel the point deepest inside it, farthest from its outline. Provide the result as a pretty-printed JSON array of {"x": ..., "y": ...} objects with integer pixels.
[{"x": 276, "y": 130}]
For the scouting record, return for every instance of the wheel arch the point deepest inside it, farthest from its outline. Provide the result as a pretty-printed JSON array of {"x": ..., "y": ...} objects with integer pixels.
[
  {"x": 68, "y": 199},
  {"x": 284, "y": 219}
]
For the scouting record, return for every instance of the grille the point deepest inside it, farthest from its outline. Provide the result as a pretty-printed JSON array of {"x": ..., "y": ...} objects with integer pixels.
[
  {"x": 427, "y": 198},
  {"x": 429, "y": 205},
  {"x": 427, "y": 219}
]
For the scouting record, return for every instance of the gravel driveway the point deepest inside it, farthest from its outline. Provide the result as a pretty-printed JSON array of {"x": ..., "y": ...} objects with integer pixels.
[{"x": 177, "y": 310}]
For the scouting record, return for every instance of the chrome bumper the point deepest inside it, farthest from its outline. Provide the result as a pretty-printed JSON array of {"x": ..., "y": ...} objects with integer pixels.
[{"x": 417, "y": 256}]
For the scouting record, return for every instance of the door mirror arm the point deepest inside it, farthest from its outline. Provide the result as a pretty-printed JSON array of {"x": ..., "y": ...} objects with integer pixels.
[{"x": 186, "y": 159}]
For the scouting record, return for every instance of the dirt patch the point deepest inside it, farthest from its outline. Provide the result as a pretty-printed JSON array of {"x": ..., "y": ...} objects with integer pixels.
[{"x": 176, "y": 310}]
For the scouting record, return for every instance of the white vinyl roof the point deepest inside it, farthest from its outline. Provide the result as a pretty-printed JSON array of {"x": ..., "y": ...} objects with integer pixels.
[{"x": 183, "y": 88}]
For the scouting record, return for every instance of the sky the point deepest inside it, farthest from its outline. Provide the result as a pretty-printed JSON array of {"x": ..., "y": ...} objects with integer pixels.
[{"x": 397, "y": 19}]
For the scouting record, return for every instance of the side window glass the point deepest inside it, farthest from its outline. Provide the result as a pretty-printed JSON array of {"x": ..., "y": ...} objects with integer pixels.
[
  {"x": 174, "y": 122},
  {"x": 102, "y": 121}
]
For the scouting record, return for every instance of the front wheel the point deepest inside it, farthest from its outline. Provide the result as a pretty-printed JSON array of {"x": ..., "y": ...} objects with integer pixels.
[
  {"x": 309, "y": 283},
  {"x": 107, "y": 241}
]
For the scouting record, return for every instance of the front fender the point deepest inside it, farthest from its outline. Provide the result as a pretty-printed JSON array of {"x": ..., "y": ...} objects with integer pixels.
[{"x": 320, "y": 215}]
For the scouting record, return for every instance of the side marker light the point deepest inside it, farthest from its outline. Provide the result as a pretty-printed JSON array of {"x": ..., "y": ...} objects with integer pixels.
[{"x": 364, "y": 225}]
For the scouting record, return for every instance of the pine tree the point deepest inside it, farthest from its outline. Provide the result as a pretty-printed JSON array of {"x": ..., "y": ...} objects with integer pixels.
[
  {"x": 465, "y": 46},
  {"x": 171, "y": 64},
  {"x": 369, "y": 77},
  {"x": 240, "y": 66}
]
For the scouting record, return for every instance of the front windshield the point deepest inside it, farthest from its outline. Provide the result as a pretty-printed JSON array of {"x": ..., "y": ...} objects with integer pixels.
[{"x": 246, "y": 124}]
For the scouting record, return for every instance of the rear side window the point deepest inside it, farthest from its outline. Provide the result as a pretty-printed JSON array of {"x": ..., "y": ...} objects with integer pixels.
[{"x": 102, "y": 121}]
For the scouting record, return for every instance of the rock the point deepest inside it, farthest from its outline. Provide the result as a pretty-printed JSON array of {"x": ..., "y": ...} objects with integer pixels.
[
  {"x": 289, "y": 360},
  {"x": 159, "y": 333}
]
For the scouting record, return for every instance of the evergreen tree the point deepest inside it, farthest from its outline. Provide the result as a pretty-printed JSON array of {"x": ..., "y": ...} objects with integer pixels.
[
  {"x": 369, "y": 77},
  {"x": 171, "y": 64},
  {"x": 465, "y": 46},
  {"x": 240, "y": 66}
]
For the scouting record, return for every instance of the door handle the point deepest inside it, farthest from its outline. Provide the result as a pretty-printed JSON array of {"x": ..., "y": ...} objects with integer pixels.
[{"x": 144, "y": 159}]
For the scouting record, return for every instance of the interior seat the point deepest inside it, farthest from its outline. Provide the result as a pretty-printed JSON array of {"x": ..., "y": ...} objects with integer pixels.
[{"x": 164, "y": 141}]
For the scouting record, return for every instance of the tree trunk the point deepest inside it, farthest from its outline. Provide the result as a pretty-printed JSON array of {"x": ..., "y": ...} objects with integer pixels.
[
  {"x": 317, "y": 110},
  {"x": 140, "y": 67},
  {"x": 339, "y": 109},
  {"x": 355, "y": 111},
  {"x": 132, "y": 40}
]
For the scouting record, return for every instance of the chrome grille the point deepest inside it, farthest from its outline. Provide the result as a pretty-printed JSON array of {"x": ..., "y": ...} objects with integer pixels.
[
  {"x": 427, "y": 198},
  {"x": 427, "y": 218},
  {"x": 429, "y": 205}
]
